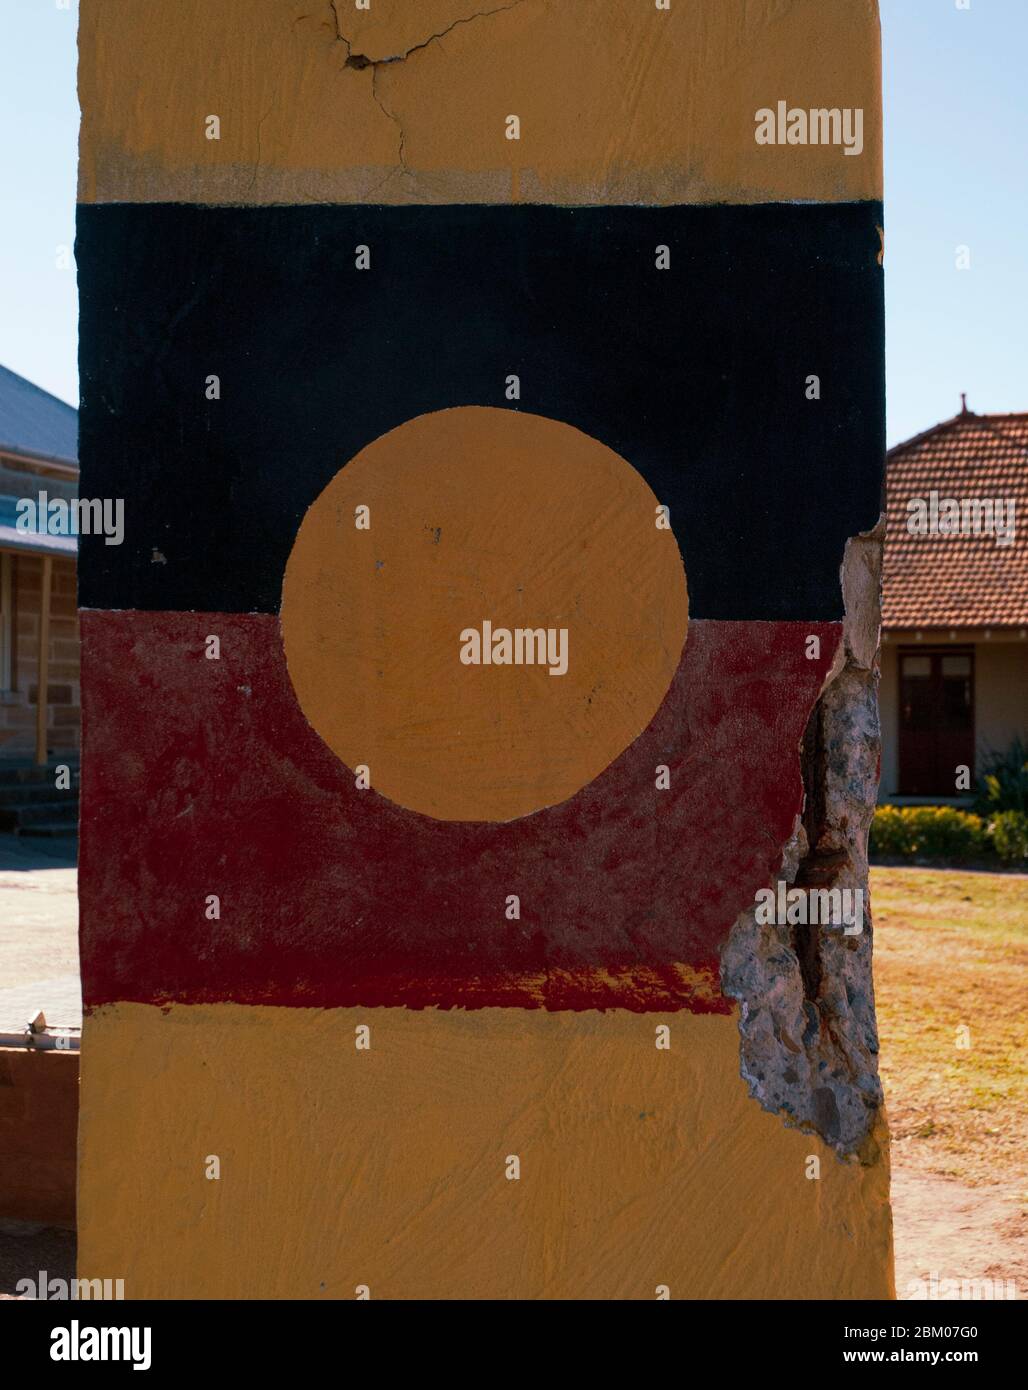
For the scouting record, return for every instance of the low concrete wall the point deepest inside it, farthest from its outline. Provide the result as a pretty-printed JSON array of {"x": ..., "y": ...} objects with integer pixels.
[{"x": 39, "y": 1099}]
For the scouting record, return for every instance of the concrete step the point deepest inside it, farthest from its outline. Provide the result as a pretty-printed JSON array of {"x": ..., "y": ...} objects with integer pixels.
[
  {"x": 21, "y": 817},
  {"x": 48, "y": 830},
  {"x": 30, "y": 803},
  {"x": 30, "y": 793},
  {"x": 20, "y": 774},
  {"x": 46, "y": 811}
]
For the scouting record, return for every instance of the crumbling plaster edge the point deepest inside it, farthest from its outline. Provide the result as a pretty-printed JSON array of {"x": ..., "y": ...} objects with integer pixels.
[{"x": 808, "y": 1036}]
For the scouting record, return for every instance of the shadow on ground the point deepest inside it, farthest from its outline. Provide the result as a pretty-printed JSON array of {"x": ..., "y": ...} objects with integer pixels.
[
  {"x": 28, "y": 1251},
  {"x": 18, "y": 853}
]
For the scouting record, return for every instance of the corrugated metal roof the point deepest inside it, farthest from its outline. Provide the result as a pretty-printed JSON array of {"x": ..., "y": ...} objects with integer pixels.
[
  {"x": 33, "y": 543},
  {"x": 36, "y": 540},
  {"x": 34, "y": 422}
]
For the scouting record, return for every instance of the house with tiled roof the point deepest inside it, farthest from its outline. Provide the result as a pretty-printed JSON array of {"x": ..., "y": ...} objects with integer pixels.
[
  {"x": 954, "y": 604},
  {"x": 39, "y": 641}
]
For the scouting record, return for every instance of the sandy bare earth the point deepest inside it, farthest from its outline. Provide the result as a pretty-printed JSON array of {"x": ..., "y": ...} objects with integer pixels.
[
  {"x": 39, "y": 963},
  {"x": 955, "y": 1232}
]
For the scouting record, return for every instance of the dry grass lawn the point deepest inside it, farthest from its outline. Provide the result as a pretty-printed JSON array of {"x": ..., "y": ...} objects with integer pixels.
[{"x": 950, "y": 951}]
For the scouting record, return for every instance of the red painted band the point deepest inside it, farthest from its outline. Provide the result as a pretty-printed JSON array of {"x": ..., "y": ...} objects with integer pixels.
[{"x": 201, "y": 777}]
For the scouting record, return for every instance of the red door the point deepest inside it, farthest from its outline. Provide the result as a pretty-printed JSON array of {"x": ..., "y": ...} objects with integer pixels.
[{"x": 936, "y": 728}]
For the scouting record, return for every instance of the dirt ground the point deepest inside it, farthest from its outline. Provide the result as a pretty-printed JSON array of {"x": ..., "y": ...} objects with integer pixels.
[
  {"x": 39, "y": 957},
  {"x": 956, "y": 1232},
  {"x": 26, "y": 1251},
  {"x": 950, "y": 952}
]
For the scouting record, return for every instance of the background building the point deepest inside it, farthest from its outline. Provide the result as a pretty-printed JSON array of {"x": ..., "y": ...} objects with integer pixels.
[
  {"x": 954, "y": 609},
  {"x": 39, "y": 644}
]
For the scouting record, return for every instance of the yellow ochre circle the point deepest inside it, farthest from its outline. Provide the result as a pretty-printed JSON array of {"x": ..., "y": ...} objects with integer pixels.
[{"x": 481, "y": 609}]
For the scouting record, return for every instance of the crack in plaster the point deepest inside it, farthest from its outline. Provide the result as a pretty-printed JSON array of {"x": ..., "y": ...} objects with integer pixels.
[
  {"x": 360, "y": 61},
  {"x": 257, "y": 162},
  {"x": 396, "y": 121}
]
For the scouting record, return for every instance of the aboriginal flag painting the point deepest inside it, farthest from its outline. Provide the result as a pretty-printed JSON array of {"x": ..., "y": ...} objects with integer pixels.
[{"x": 554, "y": 647}]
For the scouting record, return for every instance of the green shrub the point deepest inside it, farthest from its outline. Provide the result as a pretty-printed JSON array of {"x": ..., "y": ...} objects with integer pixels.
[
  {"x": 891, "y": 833},
  {"x": 1009, "y": 831},
  {"x": 928, "y": 832},
  {"x": 1003, "y": 780}
]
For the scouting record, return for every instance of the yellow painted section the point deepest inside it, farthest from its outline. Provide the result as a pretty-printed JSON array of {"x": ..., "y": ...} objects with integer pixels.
[
  {"x": 386, "y": 1167},
  {"x": 617, "y": 101}
]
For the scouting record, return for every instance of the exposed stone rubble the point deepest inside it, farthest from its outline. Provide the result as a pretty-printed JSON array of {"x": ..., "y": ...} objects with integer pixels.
[{"x": 809, "y": 1041}]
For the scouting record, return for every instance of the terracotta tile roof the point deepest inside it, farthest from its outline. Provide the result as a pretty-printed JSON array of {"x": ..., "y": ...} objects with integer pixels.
[{"x": 958, "y": 580}]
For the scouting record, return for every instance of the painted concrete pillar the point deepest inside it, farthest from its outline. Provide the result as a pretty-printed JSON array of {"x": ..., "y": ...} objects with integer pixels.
[{"x": 480, "y": 728}]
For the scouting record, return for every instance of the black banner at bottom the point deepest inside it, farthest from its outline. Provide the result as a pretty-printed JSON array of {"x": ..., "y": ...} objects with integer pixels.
[{"x": 227, "y": 1337}]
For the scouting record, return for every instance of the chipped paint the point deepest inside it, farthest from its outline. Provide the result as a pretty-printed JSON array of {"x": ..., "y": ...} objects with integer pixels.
[{"x": 809, "y": 1041}]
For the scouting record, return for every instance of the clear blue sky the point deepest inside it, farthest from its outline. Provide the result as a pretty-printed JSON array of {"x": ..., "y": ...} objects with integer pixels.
[
  {"x": 39, "y": 118},
  {"x": 956, "y": 174},
  {"x": 956, "y": 106}
]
